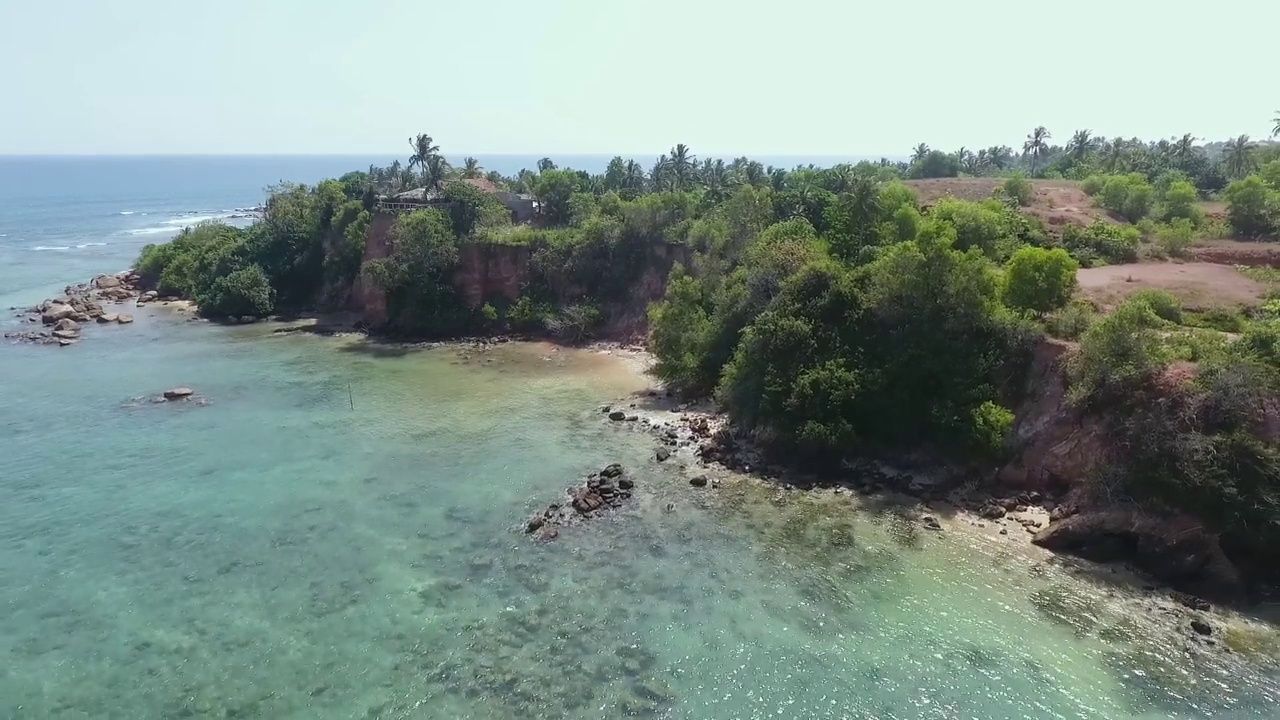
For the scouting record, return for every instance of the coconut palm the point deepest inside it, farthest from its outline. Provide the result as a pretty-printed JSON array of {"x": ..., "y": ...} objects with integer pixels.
[
  {"x": 1000, "y": 156},
  {"x": 683, "y": 167},
  {"x": 660, "y": 175},
  {"x": 424, "y": 148},
  {"x": 546, "y": 164},
  {"x": 1081, "y": 144},
  {"x": 777, "y": 178},
  {"x": 1275, "y": 131},
  {"x": 633, "y": 176},
  {"x": 1115, "y": 151},
  {"x": 974, "y": 163},
  {"x": 919, "y": 153},
  {"x": 753, "y": 173},
  {"x": 1036, "y": 146},
  {"x": 1238, "y": 156},
  {"x": 471, "y": 168},
  {"x": 1184, "y": 147},
  {"x": 435, "y": 172}
]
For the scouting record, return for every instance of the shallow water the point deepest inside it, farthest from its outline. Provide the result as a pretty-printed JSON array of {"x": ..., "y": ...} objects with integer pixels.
[{"x": 279, "y": 554}]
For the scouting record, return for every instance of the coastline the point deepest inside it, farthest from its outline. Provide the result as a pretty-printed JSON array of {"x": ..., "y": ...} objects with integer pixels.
[{"x": 689, "y": 431}]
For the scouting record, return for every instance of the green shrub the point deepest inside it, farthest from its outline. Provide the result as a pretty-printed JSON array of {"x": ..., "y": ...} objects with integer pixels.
[
  {"x": 243, "y": 292},
  {"x": 1129, "y": 196},
  {"x": 1179, "y": 203},
  {"x": 1102, "y": 240},
  {"x": 1222, "y": 319},
  {"x": 1164, "y": 305},
  {"x": 1093, "y": 184},
  {"x": 991, "y": 425},
  {"x": 575, "y": 323},
  {"x": 489, "y": 313},
  {"x": 1072, "y": 321},
  {"x": 526, "y": 315},
  {"x": 978, "y": 225},
  {"x": 1251, "y": 207},
  {"x": 1018, "y": 189},
  {"x": 1039, "y": 280},
  {"x": 1117, "y": 352},
  {"x": 1176, "y": 238}
]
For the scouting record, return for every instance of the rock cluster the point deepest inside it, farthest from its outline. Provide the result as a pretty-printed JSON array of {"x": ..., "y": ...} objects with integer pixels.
[
  {"x": 62, "y": 318},
  {"x": 604, "y": 490}
]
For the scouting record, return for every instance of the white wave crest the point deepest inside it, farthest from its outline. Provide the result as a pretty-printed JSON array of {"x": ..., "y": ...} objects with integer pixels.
[
  {"x": 126, "y": 212},
  {"x": 40, "y": 248},
  {"x": 85, "y": 245},
  {"x": 155, "y": 230},
  {"x": 191, "y": 220}
]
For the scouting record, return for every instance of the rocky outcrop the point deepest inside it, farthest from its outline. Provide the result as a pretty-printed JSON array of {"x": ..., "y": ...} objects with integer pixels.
[
  {"x": 1175, "y": 550},
  {"x": 604, "y": 490},
  {"x": 63, "y": 317},
  {"x": 1055, "y": 443}
]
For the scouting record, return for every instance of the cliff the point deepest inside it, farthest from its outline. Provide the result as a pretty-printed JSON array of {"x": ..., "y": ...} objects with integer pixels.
[{"x": 489, "y": 271}]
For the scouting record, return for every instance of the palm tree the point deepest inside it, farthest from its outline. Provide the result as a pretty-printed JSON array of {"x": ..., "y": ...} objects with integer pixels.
[
  {"x": 496, "y": 178},
  {"x": 1115, "y": 151},
  {"x": 974, "y": 162},
  {"x": 1275, "y": 131},
  {"x": 1238, "y": 156},
  {"x": 1000, "y": 155},
  {"x": 753, "y": 173},
  {"x": 718, "y": 179},
  {"x": 841, "y": 177},
  {"x": 633, "y": 176},
  {"x": 1036, "y": 145},
  {"x": 1184, "y": 147},
  {"x": 660, "y": 175},
  {"x": 777, "y": 178},
  {"x": 1082, "y": 143},
  {"x": 424, "y": 148},
  {"x": 435, "y": 172},
  {"x": 546, "y": 164},
  {"x": 471, "y": 168},
  {"x": 682, "y": 167},
  {"x": 919, "y": 153}
]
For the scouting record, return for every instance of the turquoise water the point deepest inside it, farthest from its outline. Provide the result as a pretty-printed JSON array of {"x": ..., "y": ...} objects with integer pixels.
[{"x": 277, "y": 554}]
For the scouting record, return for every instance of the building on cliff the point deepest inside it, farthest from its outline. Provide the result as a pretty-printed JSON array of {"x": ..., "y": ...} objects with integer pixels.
[{"x": 523, "y": 208}]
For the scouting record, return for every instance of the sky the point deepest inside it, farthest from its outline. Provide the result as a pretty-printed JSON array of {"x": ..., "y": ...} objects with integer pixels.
[{"x": 811, "y": 77}]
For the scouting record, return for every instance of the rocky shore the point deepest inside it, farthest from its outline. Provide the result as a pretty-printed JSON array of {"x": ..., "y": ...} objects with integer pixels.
[
  {"x": 602, "y": 491},
  {"x": 62, "y": 320},
  {"x": 951, "y": 499}
]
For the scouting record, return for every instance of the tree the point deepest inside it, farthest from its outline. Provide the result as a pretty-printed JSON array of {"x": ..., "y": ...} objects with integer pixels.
[
  {"x": 1251, "y": 207},
  {"x": 936, "y": 164},
  {"x": 1115, "y": 151},
  {"x": 633, "y": 176},
  {"x": 546, "y": 164},
  {"x": 1039, "y": 280},
  {"x": 554, "y": 189},
  {"x": 1184, "y": 147},
  {"x": 919, "y": 153},
  {"x": 1000, "y": 156},
  {"x": 1275, "y": 131},
  {"x": 1180, "y": 202},
  {"x": 1082, "y": 143},
  {"x": 1037, "y": 145},
  {"x": 424, "y": 148},
  {"x": 471, "y": 168},
  {"x": 660, "y": 175},
  {"x": 682, "y": 167},
  {"x": 1238, "y": 156},
  {"x": 435, "y": 172}
]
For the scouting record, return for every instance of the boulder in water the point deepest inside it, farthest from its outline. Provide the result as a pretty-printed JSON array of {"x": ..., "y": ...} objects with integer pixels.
[
  {"x": 54, "y": 312},
  {"x": 178, "y": 393},
  {"x": 124, "y": 318},
  {"x": 108, "y": 318}
]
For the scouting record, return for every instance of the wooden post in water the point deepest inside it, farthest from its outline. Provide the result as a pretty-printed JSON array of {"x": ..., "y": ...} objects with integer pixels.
[{"x": 351, "y": 398}]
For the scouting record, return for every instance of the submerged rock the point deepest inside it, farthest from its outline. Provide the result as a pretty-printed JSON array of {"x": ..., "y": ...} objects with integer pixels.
[
  {"x": 617, "y": 416},
  {"x": 698, "y": 481},
  {"x": 179, "y": 393},
  {"x": 609, "y": 488},
  {"x": 1201, "y": 627}
]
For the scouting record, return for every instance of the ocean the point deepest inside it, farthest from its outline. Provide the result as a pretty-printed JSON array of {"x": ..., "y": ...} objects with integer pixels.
[{"x": 337, "y": 533}]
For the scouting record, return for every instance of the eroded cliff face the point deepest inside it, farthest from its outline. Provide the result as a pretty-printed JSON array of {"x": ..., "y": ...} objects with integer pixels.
[
  {"x": 487, "y": 271},
  {"x": 1058, "y": 446}
]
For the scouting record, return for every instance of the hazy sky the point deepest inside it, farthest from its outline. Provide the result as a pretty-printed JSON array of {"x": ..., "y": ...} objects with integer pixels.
[{"x": 624, "y": 76}]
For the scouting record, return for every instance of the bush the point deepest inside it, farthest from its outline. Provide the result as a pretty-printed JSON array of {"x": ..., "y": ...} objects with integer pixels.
[
  {"x": 1251, "y": 207},
  {"x": 575, "y": 323},
  {"x": 977, "y": 225},
  {"x": 1018, "y": 189},
  {"x": 1174, "y": 239},
  {"x": 1119, "y": 351},
  {"x": 1039, "y": 280},
  {"x": 1102, "y": 240},
  {"x": 991, "y": 425},
  {"x": 242, "y": 292},
  {"x": 526, "y": 315},
  {"x": 1180, "y": 204},
  {"x": 1092, "y": 185},
  {"x": 1129, "y": 196},
  {"x": 1072, "y": 321},
  {"x": 1164, "y": 305}
]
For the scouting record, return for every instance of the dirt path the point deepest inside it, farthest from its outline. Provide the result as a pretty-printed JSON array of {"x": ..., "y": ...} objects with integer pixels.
[{"x": 1056, "y": 202}]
